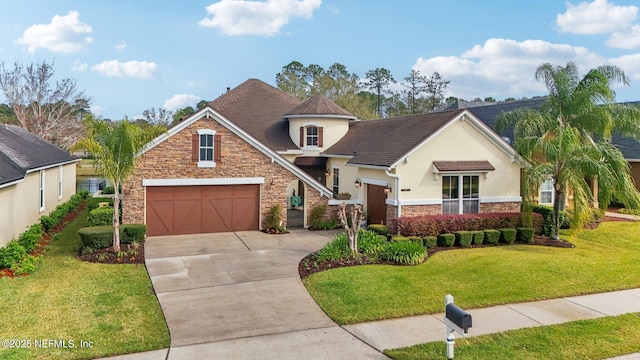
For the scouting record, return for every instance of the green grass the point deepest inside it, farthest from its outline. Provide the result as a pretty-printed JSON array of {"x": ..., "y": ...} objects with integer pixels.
[
  {"x": 112, "y": 306},
  {"x": 604, "y": 259},
  {"x": 584, "y": 339}
]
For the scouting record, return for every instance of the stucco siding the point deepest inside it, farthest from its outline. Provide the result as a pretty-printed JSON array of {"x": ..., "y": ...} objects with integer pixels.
[
  {"x": 20, "y": 203},
  {"x": 333, "y": 130}
]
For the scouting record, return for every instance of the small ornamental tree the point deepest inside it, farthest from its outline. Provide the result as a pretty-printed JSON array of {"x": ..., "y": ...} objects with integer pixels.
[{"x": 350, "y": 214}]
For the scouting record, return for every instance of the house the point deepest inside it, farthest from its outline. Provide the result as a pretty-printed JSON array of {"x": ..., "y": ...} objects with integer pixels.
[
  {"x": 227, "y": 165},
  {"x": 35, "y": 177}
]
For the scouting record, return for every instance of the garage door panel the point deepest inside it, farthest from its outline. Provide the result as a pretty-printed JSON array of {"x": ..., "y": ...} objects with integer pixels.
[{"x": 202, "y": 209}]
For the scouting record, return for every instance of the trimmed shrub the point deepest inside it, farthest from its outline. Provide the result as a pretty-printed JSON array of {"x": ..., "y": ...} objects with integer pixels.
[
  {"x": 429, "y": 241},
  {"x": 109, "y": 190},
  {"x": 96, "y": 237},
  {"x": 30, "y": 238},
  {"x": 447, "y": 240},
  {"x": 404, "y": 253},
  {"x": 100, "y": 217},
  {"x": 463, "y": 238},
  {"x": 398, "y": 238},
  {"x": 492, "y": 236},
  {"x": 478, "y": 237},
  {"x": 415, "y": 239},
  {"x": 508, "y": 236},
  {"x": 370, "y": 243},
  {"x": 433, "y": 225},
  {"x": 546, "y": 212},
  {"x": 93, "y": 202},
  {"x": 525, "y": 235},
  {"x": 317, "y": 216},
  {"x": 11, "y": 254},
  {"x": 130, "y": 233},
  {"x": 379, "y": 228}
]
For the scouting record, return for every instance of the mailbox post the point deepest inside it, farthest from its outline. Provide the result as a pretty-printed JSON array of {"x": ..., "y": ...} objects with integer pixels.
[{"x": 456, "y": 320}]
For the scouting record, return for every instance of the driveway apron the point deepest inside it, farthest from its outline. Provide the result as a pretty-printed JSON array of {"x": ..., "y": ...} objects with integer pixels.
[{"x": 239, "y": 294}]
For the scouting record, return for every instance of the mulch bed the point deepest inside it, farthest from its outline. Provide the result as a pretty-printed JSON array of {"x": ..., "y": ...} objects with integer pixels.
[
  {"x": 46, "y": 239},
  {"x": 308, "y": 265},
  {"x": 128, "y": 255}
]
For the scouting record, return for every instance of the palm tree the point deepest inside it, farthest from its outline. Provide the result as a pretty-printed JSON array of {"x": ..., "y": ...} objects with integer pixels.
[
  {"x": 115, "y": 147},
  {"x": 568, "y": 140}
]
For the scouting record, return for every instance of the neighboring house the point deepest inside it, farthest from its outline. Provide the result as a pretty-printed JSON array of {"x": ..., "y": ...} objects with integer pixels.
[
  {"x": 629, "y": 147},
  {"x": 224, "y": 167},
  {"x": 35, "y": 177}
]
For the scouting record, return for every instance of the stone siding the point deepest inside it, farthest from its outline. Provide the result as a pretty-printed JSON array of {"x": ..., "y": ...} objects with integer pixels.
[
  {"x": 171, "y": 159},
  {"x": 500, "y": 207}
]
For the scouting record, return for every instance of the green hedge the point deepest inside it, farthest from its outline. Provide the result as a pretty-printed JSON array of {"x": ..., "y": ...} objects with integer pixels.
[
  {"x": 525, "y": 235},
  {"x": 11, "y": 254},
  {"x": 100, "y": 217},
  {"x": 430, "y": 241},
  {"x": 415, "y": 239},
  {"x": 463, "y": 238},
  {"x": 492, "y": 236},
  {"x": 94, "y": 202},
  {"x": 379, "y": 228},
  {"x": 508, "y": 236},
  {"x": 99, "y": 237},
  {"x": 478, "y": 237},
  {"x": 447, "y": 240},
  {"x": 399, "y": 238},
  {"x": 48, "y": 222}
]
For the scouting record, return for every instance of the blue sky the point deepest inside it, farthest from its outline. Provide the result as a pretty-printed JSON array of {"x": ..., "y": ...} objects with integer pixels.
[{"x": 133, "y": 55}]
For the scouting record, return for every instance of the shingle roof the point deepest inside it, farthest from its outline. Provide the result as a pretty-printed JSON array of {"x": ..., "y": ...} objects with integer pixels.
[
  {"x": 21, "y": 151},
  {"x": 383, "y": 142},
  {"x": 319, "y": 105},
  {"x": 482, "y": 165},
  {"x": 257, "y": 108}
]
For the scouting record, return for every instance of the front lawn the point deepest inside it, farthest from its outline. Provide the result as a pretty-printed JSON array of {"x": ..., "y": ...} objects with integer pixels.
[
  {"x": 66, "y": 301},
  {"x": 585, "y": 339},
  {"x": 604, "y": 259}
]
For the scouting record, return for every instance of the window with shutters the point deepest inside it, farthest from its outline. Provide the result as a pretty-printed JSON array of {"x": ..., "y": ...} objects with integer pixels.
[
  {"x": 206, "y": 148},
  {"x": 311, "y": 136}
]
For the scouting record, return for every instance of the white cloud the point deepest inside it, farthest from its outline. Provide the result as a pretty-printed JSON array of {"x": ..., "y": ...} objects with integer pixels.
[
  {"x": 97, "y": 110},
  {"x": 121, "y": 46},
  {"x": 64, "y": 34},
  {"x": 597, "y": 17},
  {"x": 180, "y": 101},
  {"x": 131, "y": 69},
  {"x": 79, "y": 66},
  {"x": 503, "y": 67},
  {"x": 630, "y": 64},
  {"x": 627, "y": 39},
  {"x": 244, "y": 17}
]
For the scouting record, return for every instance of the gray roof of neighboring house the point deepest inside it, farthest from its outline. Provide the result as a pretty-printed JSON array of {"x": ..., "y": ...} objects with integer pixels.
[
  {"x": 257, "y": 108},
  {"x": 383, "y": 142},
  {"x": 21, "y": 151}
]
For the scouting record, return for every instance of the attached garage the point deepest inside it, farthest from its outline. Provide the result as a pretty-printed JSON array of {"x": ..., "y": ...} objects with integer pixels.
[{"x": 194, "y": 209}]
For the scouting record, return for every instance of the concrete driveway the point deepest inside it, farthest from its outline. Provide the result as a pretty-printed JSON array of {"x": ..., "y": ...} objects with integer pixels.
[{"x": 238, "y": 295}]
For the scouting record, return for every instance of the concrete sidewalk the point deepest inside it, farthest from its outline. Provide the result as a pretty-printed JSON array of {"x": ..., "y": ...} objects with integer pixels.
[{"x": 396, "y": 333}]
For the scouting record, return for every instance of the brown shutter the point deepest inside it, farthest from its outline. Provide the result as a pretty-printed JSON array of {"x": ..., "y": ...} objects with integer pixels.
[
  {"x": 320, "y": 137},
  {"x": 217, "y": 147},
  {"x": 301, "y": 136},
  {"x": 195, "y": 147}
]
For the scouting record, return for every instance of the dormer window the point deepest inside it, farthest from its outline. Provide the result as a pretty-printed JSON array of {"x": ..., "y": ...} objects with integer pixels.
[{"x": 311, "y": 136}]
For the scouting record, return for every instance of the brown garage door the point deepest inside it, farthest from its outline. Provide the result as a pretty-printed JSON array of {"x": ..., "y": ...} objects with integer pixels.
[{"x": 173, "y": 210}]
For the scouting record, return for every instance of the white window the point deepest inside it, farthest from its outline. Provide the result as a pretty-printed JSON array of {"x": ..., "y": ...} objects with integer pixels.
[
  {"x": 206, "y": 148},
  {"x": 460, "y": 194},
  {"x": 546, "y": 192},
  {"x": 59, "y": 182},
  {"x": 42, "y": 194},
  {"x": 312, "y": 136},
  {"x": 336, "y": 180}
]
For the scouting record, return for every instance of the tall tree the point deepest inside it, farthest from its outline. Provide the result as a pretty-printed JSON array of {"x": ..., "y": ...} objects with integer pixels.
[
  {"x": 435, "y": 88},
  {"x": 7, "y": 116},
  {"x": 41, "y": 107},
  {"x": 415, "y": 85},
  {"x": 182, "y": 113},
  {"x": 293, "y": 80},
  {"x": 115, "y": 147},
  {"x": 378, "y": 80},
  {"x": 568, "y": 139},
  {"x": 161, "y": 116}
]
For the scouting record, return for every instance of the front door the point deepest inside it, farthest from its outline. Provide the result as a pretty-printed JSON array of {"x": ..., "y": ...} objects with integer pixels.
[{"x": 376, "y": 204}]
